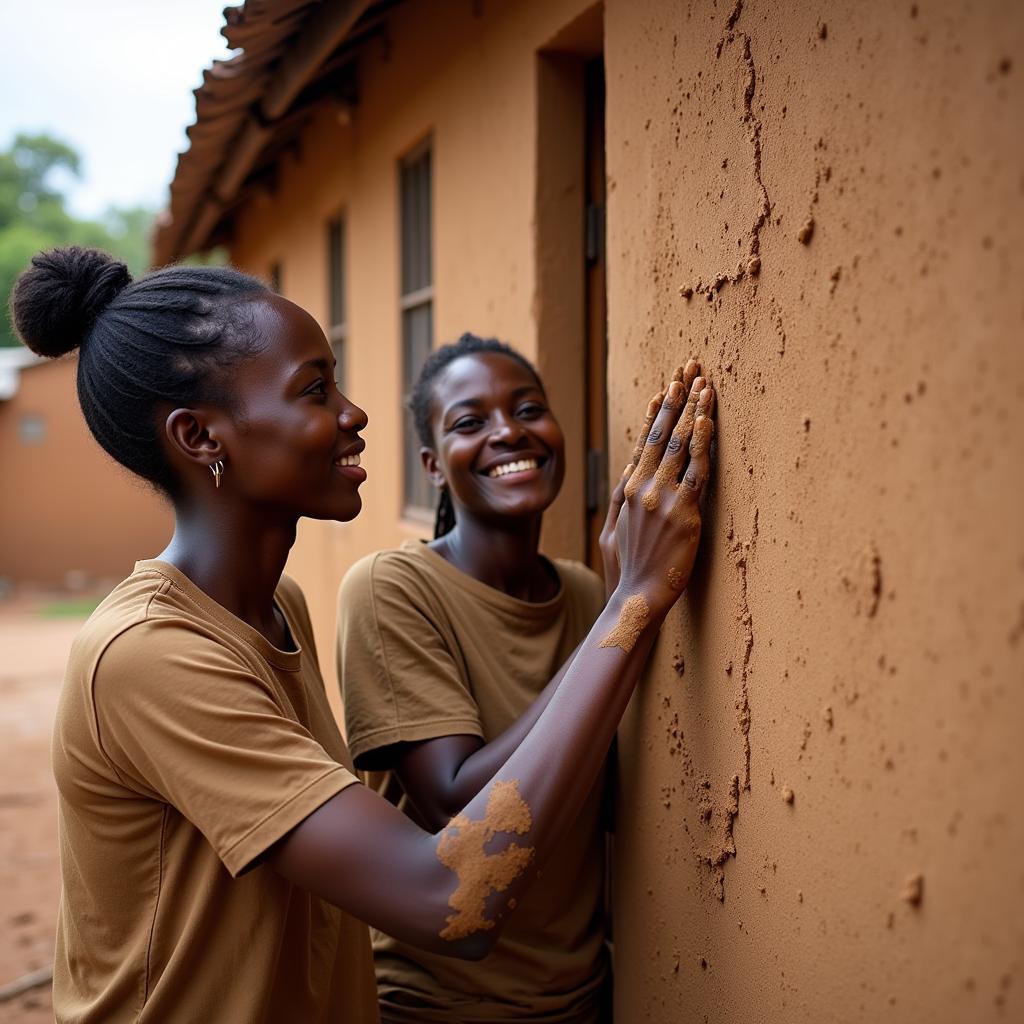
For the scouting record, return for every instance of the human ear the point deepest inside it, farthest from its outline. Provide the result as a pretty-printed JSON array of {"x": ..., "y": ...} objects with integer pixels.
[
  {"x": 433, "y": 469},
  {"x": 193, "y": 437}
]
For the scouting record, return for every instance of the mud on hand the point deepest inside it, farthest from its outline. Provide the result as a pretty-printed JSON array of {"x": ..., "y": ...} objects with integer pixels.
[
  {"x": 657, "y": 528},
  {"x": 607, "y": 542}
]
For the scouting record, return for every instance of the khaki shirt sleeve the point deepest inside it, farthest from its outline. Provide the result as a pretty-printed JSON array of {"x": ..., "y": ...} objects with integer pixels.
[
  {"x": 184, "y": 720},
  {"x": 400, "y": 680}
]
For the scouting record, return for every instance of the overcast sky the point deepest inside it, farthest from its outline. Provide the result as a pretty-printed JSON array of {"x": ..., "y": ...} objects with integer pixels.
[{"x": 113, "y": 78}]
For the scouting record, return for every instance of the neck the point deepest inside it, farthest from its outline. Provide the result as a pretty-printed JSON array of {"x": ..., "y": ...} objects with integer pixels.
[
  {"x": 233, "y": 559},
  {"x": 502, "y": 555}
]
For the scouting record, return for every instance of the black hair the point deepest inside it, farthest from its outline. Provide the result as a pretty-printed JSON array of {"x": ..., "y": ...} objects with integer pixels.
[
  {"x": 421, "y": 400},
  {"x": 165, "y": 338}
]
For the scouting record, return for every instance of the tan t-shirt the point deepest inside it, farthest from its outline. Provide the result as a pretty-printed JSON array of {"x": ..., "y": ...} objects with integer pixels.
[
  {"x": 185, "y": 745},
  {"x": 426, "y": 651}
]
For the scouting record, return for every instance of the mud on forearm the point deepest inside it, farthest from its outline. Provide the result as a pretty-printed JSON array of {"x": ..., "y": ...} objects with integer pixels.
[
  {"x": 633, "y": 618},
  {"x": 462, "y": 847}
]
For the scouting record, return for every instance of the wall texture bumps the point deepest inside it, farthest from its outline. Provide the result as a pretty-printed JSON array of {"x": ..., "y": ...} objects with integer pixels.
[{"x": 819, "y": 776}]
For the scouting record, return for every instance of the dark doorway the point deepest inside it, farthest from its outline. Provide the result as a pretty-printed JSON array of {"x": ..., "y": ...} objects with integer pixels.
[
  {"x": 570, "y": 299},
  {"x": 595, "y": 311}
]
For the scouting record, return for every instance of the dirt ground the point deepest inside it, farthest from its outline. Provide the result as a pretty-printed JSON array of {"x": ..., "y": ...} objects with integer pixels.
[{"x": 33, "y": 649}]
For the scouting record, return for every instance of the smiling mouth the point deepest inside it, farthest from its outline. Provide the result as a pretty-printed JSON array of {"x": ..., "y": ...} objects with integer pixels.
[
  {"x": 509, "y": 468},
  {"x": 348, "y": 460}
]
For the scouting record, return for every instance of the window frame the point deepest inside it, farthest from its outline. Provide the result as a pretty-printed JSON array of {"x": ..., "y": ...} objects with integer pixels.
[
  {"x": 415, "y": 185},
  {"x": 337, "y": 297}
]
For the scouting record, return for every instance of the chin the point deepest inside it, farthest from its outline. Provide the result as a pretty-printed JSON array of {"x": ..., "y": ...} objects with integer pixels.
[
  {"x": 339, "y": 514},
  {"x": 527, "y": 507}
]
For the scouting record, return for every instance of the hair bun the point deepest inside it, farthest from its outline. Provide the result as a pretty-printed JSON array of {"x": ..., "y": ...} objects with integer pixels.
[{"x": 57, "y": 300}]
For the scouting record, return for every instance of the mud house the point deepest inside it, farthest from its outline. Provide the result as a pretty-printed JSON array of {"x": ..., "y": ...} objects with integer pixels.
[
  {"x": 407, "y": 172},
  {"x": 69, "y": 517},
  {"x": 824, "y": 201}
]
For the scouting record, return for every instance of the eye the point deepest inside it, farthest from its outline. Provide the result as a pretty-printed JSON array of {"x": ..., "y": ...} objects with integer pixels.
[
  {"x": 531, "y": 410},
  {"x": 318, "y": 388},
  {"x": 464, "y": 424}
]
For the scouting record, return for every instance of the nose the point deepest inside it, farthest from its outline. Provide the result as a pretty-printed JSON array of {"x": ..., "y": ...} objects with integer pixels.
[
  {"x": 507, "y": 430},
  {"x": 351, "y": 417}
]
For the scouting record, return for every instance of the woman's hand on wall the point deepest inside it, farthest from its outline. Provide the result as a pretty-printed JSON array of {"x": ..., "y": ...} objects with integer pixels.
[
  {"x": 658, "y": 525},
  {"x": 607, "y": 542}
]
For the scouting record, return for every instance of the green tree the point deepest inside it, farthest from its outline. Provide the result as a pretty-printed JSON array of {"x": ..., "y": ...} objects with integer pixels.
[{"x": 34, "y": 215}]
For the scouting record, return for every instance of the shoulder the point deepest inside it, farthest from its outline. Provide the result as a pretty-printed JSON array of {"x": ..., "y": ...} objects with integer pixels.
[
  {"x": 121, "y": 619},
  {"x": 157, "y": 648},
  {"x": 401, "y": 572},
  {"x": 579, "y": 579},
  {"x": 583, "y": 588}
]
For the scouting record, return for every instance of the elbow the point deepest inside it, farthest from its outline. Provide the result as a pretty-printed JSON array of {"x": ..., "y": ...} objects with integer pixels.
[
  {"x": 464, "y": 945},
  {"x": 436, "y": 814},
  {"x": 435, "y": 819}
]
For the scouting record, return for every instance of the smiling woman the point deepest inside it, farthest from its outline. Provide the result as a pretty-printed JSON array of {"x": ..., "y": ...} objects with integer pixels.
[
  {"x": 463, "y": 422},
  {"x": 449, "y": 652},
  {"x": 218, "y": 853}
]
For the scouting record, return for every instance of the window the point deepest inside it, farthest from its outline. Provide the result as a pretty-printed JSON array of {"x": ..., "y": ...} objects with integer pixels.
[
  {"x": 31, "y": 428},
  {"x": 338, "y": 331},
  {"x": 417, "y": 307}
]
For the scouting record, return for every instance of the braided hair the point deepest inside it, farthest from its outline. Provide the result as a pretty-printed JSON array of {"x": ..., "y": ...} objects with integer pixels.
[
  {"x": 421, "y": 401},
  {"x": 166, "y": 338}
]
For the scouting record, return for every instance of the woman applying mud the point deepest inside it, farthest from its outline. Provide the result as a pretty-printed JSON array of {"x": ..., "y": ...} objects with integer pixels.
[
  {"x": 217, "y": 853},
  {"x": 449, "y": 652}
]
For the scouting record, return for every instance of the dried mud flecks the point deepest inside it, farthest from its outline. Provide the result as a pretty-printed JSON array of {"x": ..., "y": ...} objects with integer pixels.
[
  {"x": 750, "y": 263},
  {"x": 741, "y": 551},
  {"x": 862, "y": 581},
  {"x": 713, "y": 838}
]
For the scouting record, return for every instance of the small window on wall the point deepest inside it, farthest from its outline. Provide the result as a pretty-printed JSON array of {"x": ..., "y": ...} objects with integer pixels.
[
  {"x": 417, "y": 308},
  {"x": 338, "y": 331},
  {"x": 275, "y": 277},
  {"x": 31, "y": 428}
]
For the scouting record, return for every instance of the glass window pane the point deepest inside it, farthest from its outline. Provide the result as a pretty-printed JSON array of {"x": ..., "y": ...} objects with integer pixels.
[
  {"x": 414, "y": 192},
  {"x": 336, "y": 269},
  {"x": 417, "y": 339},
  {"x": 338, "y": 348},
  {"x": 426, "y": 271}
]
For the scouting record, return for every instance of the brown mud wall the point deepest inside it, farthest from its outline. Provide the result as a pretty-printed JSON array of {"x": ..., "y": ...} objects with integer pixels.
[
  {"x": 820, "y": 808},
  {"x": 69, "y": 515}
]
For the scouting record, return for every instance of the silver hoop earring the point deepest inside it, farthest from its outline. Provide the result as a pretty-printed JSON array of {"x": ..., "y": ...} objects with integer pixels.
[{"x": 217, "y": 469}]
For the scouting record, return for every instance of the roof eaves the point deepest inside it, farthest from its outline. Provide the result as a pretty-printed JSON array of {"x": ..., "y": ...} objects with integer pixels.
[{"x": 283, "y": 43}]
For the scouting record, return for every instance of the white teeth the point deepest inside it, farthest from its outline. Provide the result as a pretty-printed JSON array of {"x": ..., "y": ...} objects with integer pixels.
[
  {"x": 513, "y": 467},
  {"x": 348, "y": 460}
]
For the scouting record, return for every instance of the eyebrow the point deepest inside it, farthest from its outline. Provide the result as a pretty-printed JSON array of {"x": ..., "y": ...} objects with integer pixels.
[
  {"x": 320, "y": 363},
  {"x": 475, "y": 403}
]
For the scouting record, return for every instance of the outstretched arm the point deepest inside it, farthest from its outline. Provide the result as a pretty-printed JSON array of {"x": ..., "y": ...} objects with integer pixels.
[
  {"x": 441, "y": 775},
  {"x": 450, "y": 892}
]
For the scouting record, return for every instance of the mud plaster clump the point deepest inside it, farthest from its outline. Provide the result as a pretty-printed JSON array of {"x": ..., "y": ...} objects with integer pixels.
[
  {"x": 727, "y": 846},
  {"x": 913, "y": 890},
  {"x": 632, "y": 620},
  {"x": 462, "y": 848},
  {"x": 862, "y": 580}
]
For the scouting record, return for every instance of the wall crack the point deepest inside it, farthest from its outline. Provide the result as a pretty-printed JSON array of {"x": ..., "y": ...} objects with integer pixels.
[{"x": 750, "y": 263}]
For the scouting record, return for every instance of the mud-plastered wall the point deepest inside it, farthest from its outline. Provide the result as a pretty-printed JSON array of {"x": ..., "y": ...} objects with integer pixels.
[{"x": 822, "y": 774}]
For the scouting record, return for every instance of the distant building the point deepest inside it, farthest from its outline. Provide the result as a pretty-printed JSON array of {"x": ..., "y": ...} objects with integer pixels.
[{"x": 69, "y": 515}]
